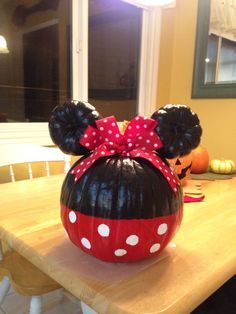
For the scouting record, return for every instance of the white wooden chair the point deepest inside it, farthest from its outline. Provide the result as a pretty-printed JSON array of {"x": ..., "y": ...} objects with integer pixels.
[
  {"x": 26, "y": 161},
  {"x": 15, "y": 270}
]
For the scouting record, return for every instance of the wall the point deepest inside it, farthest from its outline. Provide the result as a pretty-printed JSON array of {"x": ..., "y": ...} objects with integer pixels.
[{"x": 218, "y": 116}]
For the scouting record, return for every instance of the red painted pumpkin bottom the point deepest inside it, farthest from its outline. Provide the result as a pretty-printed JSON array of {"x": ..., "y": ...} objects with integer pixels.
[{"x": 124, "y": 240}]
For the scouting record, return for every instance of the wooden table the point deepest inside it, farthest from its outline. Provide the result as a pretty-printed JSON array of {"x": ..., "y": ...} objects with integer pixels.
[{"x": 185, "y": 274}]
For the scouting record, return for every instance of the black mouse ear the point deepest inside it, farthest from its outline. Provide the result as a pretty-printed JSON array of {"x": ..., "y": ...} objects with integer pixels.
[
  {"x": 179, "y": 130},
  {"x": 68, "y": 123}
]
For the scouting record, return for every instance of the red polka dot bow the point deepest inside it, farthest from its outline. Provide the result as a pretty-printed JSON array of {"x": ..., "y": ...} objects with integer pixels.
[{"x": 138, "y": 141}]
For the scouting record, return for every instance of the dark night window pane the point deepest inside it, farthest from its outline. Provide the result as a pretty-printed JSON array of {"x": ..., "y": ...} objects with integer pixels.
[{"x": 35, "y": 74}]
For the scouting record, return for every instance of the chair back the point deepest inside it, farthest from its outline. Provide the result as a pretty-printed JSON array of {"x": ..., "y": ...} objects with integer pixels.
[{"x": 27, "y": 161}]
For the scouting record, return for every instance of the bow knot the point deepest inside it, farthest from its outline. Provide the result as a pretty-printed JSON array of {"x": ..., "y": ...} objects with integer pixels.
[{"x": 138, "y": 141}]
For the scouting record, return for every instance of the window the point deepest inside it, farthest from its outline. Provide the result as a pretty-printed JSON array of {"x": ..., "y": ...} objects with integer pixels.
[
  {"x": 58, "y": 30},
  {"x": 214, "y": 73},
  {"x": 114, "y": 57},
  {"x": 220, "y": 61},
  {"x": 35, "y": 74}
]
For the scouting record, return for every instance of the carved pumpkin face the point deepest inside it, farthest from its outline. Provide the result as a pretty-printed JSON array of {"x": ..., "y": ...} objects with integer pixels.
[{"x": 182, "y": 167}]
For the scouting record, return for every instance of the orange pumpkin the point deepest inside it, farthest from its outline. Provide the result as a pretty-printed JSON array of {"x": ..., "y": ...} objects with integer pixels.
[
  {"x": 182, "y": 167},
  {"x": 200, "y": 160}
]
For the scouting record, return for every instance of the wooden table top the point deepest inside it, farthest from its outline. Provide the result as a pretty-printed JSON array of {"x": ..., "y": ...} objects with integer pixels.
[{"x": 202, "y": 259}]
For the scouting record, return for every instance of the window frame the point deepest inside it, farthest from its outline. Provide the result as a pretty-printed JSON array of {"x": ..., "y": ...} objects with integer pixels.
[
  {"x": 37, "y": 132},
  {"x": 199, "y": 88}
]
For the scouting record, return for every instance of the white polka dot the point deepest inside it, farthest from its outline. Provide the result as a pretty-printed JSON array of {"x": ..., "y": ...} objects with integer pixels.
[
  {"x": 94, "y": 133},
  {"x": 110, "y": 131},
  {"x": 120, "y": 252},
  {"x": 111, "y": 143},
  {"x": 86, "y": 243},
  {"x": 154, "y": 248},
  {"x": 162, "y": 229},
  {"x": 151, "y": 133},
  {"x": 78, "y": 171},
  {"x": 93, "y": 160},
  {"x": 105, "y": 120},
  {"x": 129, "y": 127},
  {"x": 132, "y": 240},
  {"x": 138, "y": 154},
  {"x": 85, "y": 135},
  {"x": 137, "y": 126},
  {"x": 103, "y": 230},
  {"x": 82, "y": 163},
  {"x": 168, "y": 178},
  {"x": 113, "y": 124},
  {"x": 86, "y": 144},
  {"x": 150, "y": 159},
  {"x": 112, "y": 151},
  {"x": 147, "y": 141},
  {"x": 117, "y": 135},
  {"x": 130, "y": 144},
  {"x": 101, "y": 128},
  {"x": 140, "y": 137},
  {"x": 88, "y": 162},
  {"x": 136, "y": 145},
  {"x": 155, "y": 145},
  {"x": 84, "y": 169},
  {"x": 95, "y": 141},
  {"x": 129, "y": 140},
  {"x": 137, "y": 118},
  {"x": 106, "y": 139},
  {"x": 145, "y": 126},
  {"x": 103, "y": 153},
  {"x": 72, "y": 217}
]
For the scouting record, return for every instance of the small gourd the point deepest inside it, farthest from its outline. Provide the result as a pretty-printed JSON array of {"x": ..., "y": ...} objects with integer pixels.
[{"x": 222, "y": 166}]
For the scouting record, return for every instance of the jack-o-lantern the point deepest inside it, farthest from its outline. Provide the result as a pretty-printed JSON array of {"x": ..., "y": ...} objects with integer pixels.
[
  {"x": 121, "y": 202},
  {"x": 182, "y": 167}
]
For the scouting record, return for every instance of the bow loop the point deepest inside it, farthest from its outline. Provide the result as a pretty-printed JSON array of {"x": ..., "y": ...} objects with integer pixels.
[
  {"x": 140, "y": 134},
  {"x": 109, "y": 130}
]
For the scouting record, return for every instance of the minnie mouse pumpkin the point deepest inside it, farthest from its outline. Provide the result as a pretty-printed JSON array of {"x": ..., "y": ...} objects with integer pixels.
[{"x": 121, "y": 202}]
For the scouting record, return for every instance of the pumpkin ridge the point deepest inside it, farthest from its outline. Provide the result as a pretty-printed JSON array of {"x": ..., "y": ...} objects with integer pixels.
[{"x": 141, "y": 190}]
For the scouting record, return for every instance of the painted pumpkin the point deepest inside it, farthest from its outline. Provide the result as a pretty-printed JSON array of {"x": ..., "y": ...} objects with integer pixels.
[
  {"x": 121, "y": 202},
  {"x": 222, "y": 166},
  {"x": 182, "y": 167}
]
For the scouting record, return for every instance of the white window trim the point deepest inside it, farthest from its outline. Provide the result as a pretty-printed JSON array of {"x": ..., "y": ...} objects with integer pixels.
[
  {"x": 149, "y": 61},
  {"x": 37, "y": 133}
]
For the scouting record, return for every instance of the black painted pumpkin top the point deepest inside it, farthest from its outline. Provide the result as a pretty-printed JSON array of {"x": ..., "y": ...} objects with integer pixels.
[{"x": 121, "y": 188}]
